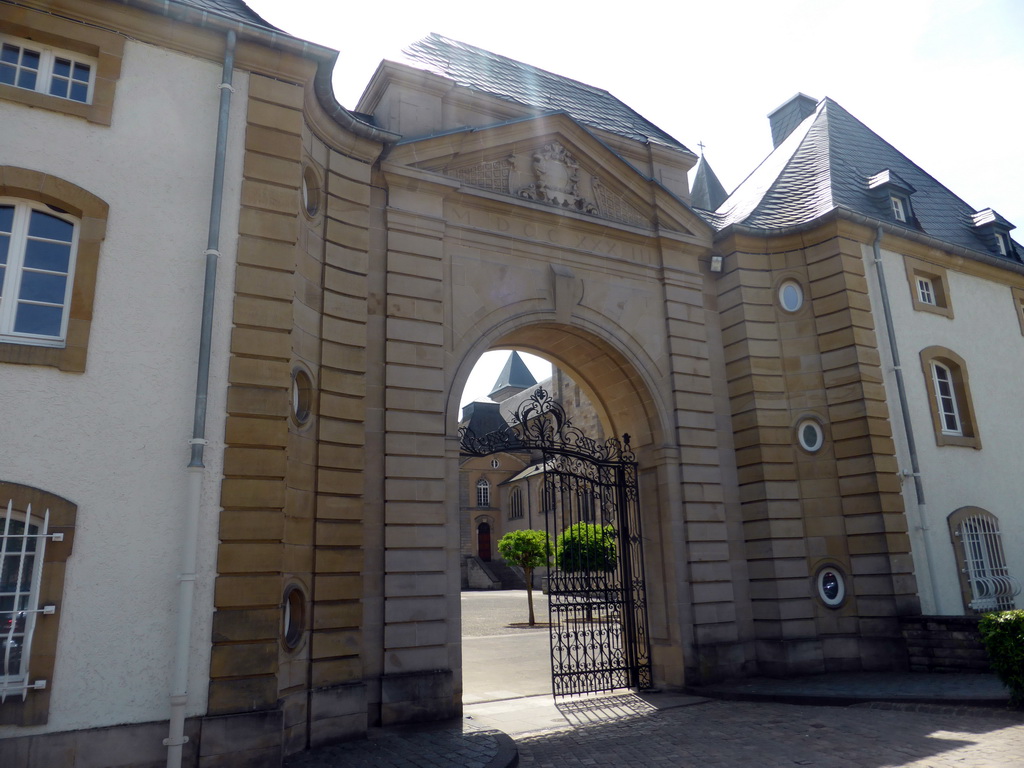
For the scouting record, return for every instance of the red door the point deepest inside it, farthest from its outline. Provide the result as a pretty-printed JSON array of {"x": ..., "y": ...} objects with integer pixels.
[{"x": 483, "y": 541}]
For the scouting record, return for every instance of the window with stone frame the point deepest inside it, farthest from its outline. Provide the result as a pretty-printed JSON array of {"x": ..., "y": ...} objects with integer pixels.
[
  {"x": 1018, "y": 305},
  {"x": 986, "y": 583},
  {"x": 949, "y": 398},
  {"x": 36, "y": 537},
  {"x": 929, "y": 287},
  {"x": 483, "y": 493},
  {"x": 54, "y": 63},
  {"x": 515, "y": 504},
  {"x": 49, "y": 257}
]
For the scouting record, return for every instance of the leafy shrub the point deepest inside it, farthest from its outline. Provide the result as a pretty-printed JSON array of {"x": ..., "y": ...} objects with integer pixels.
[
  {"x": 586, "y": 547},
  {"x": 527, "y": 549},
  {"x": 1003, "y": 635}
]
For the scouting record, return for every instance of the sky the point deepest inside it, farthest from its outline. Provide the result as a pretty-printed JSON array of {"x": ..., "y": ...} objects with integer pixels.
[{"x": 941, "y": 80}]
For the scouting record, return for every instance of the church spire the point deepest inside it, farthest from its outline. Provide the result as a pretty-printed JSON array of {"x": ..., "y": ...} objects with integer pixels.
[{"x": 708, "y": 192}]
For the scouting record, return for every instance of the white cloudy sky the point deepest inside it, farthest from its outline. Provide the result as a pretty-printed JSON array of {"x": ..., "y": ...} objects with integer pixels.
[{"x": 941, "y": 80}]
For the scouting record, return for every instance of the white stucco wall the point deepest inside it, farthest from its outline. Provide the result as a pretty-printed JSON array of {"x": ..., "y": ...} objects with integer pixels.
[
  {"x": 114, "y": 440},
  {"x": 986, "y": 333}
]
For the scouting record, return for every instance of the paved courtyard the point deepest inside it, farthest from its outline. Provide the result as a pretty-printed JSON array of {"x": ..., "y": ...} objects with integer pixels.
[
  {"x": 507, "y": 695},
  {"x": 765, "y": 735}
]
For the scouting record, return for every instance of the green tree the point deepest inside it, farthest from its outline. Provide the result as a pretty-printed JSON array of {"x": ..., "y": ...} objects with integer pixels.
[
  {"x": 528, "y": 549},
  {"x": 586, "y": 547}
]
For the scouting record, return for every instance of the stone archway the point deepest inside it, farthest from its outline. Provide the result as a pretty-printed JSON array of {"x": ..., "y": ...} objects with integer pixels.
[{"x": 626, "y": 308}]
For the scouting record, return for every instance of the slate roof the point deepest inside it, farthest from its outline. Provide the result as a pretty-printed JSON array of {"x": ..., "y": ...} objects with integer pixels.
[
  {"x": 829, "y": 162},
  {"x": 232, "y": 9},
  {"x": 514, "y": 81}
]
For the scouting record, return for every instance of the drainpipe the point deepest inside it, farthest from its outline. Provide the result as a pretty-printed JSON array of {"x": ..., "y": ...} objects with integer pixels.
[
  {"x": 176, "y": 738},
  {"x": 915, "y": 467}
]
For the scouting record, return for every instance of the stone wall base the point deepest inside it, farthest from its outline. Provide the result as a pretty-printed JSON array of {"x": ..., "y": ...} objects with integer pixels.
[
  {"x": 414, "y": 697},
  {"x": 945, "y": 644},
  {"x": 139, "y": 745}
]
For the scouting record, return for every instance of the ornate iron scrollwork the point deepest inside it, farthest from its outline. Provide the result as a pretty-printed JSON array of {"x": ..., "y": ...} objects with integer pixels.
[{"x": 540, "y": 422}]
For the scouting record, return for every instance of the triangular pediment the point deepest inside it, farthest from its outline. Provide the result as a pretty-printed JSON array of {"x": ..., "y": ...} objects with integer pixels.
[{"x": 549, "y": 160}]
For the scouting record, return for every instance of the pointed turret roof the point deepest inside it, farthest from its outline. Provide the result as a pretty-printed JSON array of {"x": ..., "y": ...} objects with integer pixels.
[
  {"x": 832, "y": 161},
  {"x": 514, "y": 377},
  {"x": 708, "y": 192}
]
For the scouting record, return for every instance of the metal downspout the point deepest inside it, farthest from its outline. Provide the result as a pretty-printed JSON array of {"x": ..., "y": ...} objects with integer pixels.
[
  {"x": 176, "y": 738},
  {"x": 915, "y": 466}
]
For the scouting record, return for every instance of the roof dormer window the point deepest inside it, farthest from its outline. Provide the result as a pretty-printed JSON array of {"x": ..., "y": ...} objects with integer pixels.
[
  {"x": 892, "y": 191},
  {"x": 994, "y": 231}
]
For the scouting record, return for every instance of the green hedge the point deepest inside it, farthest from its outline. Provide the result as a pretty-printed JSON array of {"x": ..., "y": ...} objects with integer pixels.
[
  {"x": 586, "y": 547},
  {"x": 1003, "y": 635}
]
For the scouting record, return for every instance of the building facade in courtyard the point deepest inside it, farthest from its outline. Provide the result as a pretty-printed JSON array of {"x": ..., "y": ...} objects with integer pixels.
[{"x": 231, "y": 508}]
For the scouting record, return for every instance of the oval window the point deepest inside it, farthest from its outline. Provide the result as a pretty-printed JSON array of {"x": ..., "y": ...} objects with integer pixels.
[
  {"x": 810, "y": 435},
  {"x": 831, "y": 586},
  {"x": 791, "y": 296},
  {"x": 302, "y": 396},
  {"x": 310, "y": 192},
  {"x": 495, "y": 463},
  {"x": 294, "y": 623}
]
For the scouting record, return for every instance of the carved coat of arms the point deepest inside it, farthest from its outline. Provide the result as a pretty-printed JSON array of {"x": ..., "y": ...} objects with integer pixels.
[{"x": 556, "y": 180}]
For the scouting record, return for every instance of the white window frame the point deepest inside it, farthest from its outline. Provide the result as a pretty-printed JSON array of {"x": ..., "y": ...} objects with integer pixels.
[
  {"x": 14, "y": 548},
  {"x": 945, "y": 400},
  {"x": 926, "y": 291},
  {"x": 483, "y": 493},
  {"x": 14, "y": 270},
  {"x": 1002, "y": 243},
  {"x": 899, "y": 208},
  {"x": 45, "y": 75}
]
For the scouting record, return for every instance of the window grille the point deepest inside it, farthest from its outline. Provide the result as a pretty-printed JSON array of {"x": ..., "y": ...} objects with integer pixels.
[
  {"x": 483, "y": 493},
  {"x": 22, "y": 551},
  {"x": 992, "y": 586}
]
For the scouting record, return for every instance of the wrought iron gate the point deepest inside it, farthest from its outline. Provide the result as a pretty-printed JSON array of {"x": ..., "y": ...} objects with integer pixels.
[{"x": 596, "y": 590}]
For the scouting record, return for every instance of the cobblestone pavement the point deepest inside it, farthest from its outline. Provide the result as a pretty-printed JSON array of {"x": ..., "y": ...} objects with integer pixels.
[
  {"x": 447, "y": 745},
  {"x": 768, "y": 735}
]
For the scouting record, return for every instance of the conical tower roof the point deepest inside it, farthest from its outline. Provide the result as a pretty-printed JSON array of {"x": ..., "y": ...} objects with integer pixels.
[{"x": 514, "y": 377}]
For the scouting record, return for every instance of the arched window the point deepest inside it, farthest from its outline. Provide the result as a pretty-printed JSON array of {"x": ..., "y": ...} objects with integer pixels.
[
  {"x": 483, "y": 493},
  {"x": 949, "y": 397},
  {"x": 515, "y": 504},
  {"x": 985, "y": 580},
  {"x": 36, "y": 535},
  {"x": 49, "y": 254}
]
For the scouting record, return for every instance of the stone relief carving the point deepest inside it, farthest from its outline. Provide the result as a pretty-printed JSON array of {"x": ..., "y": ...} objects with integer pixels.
[
  {"x": 550, "y": 175},
  {"x": 556, "y": 180}
]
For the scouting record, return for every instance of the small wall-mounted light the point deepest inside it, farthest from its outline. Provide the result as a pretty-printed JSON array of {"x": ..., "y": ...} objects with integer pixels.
[{"x": 716, "y": 263}]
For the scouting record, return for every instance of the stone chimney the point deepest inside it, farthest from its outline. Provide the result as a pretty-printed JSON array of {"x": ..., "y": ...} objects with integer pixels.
[{"x": 787, "y": 117}]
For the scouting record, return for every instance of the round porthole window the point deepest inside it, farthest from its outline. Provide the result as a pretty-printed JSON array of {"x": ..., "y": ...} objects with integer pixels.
[
  {"x": 495, "y": 463},
  {"x": 302, "y": 396},
  {"x": 810, "y": 435},
  {"x": 831, "y": 586},
  {"x": 294, "y": 623},
  {"x": 791, "y": 296},
  {"x": 310, "y": 192}
]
